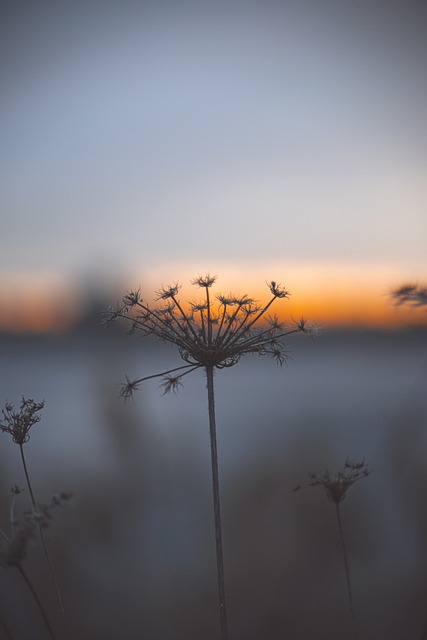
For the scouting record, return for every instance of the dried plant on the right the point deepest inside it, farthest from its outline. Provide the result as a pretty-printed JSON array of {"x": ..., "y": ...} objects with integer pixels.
[
  {"x": 413, "y": 294},
  {"x": 336, "y": 486}
]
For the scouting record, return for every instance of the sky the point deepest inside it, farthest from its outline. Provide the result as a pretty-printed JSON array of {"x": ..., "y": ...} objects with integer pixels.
[{"x": 154, "y": 141}]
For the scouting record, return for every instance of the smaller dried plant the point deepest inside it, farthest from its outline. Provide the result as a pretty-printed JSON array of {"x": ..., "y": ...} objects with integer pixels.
[
  {"x": 18, "y": 423},
  {"x": 13, "y": 547},
  {"x": 336, "y": 486}
]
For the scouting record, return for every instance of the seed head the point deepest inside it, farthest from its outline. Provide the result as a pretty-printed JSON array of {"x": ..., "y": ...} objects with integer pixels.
[
  {"x": 204, "y": 281},
  {"x": 277, "y": 290},
  {"x": 19, "y": 423},
  {"x": 171, "y": 383},
  {"x": 339, "y": 483},
  {"x": 132, "y": 298},
  {"x": 168, "y": 292},
  {"x": 128, "y": 388},
  {"x": 216, "y": 332},
  {"x": 308, "y": 327}
]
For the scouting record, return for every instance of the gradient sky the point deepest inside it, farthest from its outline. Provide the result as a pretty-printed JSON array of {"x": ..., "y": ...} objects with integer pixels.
[{"x": 154, "y": 137}]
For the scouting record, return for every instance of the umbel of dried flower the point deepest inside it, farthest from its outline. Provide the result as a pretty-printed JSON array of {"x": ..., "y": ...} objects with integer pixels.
[
  {"x": 19, "y": 422},
  {"x": 337, "y": 484},
  {"x": 213, "y": 333}
]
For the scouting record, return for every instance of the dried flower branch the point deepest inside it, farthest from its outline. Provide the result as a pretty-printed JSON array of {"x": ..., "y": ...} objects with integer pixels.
[
  {"x": 336, "y": 486},
  {"x": 339, "y": 483},
  {"x": 18, "y": 424},
  {"x": 410, "y": 294},
  {"x": 13, "y": 548},
  {"x": 214, "y": 334}
]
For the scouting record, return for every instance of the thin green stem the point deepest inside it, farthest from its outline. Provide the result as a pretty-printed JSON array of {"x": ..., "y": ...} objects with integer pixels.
[
  {"x": 42, "y": 536},
  {"x": 241, "y": 330},
  {"x": 423, "y": 635},
  {"x": 347, "y": 570},
  {"x": 218, "y": 334},
  {"x": 202, "y": 319},
  {"x": 159, "y": 327},
  {"x": 209, "y": 317},
  {"x": 27, "y": 477},
  {"x": 36, "y": 600},
  {"x": 165, "y": 373},
  {"x": 248, "y": 346},
  {"x": 229, "y": 326},
  {"x": 260, "y": 313},
  {"x": 260, "y": 340},
  {"x": 216, "y": 502},
  {"x": 185, "y": 318}
]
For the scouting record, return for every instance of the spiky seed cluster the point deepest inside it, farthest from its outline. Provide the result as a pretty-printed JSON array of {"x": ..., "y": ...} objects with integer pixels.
[
  {"x": 213, "y": 333},
  {"x": 412, "y": 294},
  {"x": 18, "y": 423},
  {"x": 339, "y": 483}
]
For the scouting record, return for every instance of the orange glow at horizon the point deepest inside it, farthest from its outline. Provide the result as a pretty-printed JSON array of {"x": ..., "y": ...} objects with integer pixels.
[
  {"x": 329, "y": 295},
  {"x": 325, "y": 295},
  {"x": 43, "y": 303}
]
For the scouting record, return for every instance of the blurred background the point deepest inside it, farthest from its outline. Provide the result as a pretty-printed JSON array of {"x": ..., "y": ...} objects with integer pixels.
[{"x": 145, "y": 143}]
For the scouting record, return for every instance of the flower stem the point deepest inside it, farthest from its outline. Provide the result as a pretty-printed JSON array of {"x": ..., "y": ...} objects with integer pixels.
[
  {"x": 424, "y": 631},
  {"x": 42, "y": 536},
  {"x": 5, "y": 628},
  {"x": 216, "y": 501},
  {"x": 27, "y": 477},
  {"x": 36, "y": 599},
  {"x": 347, "y": 570}
]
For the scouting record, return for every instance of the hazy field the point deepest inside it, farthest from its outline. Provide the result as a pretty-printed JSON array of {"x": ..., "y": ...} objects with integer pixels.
[{"x": 135, "y": 551}]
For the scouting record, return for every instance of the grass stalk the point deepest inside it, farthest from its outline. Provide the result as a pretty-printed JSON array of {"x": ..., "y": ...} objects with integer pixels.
[
  {"x": 347, "y": 570},
  {"x": 216, "y": 503},
  {"x": 423, "y": 635},
  {"x": 42, "y": 536},
  {"x": 36, "y": 600},
  {"x": 5, "y": 628}
]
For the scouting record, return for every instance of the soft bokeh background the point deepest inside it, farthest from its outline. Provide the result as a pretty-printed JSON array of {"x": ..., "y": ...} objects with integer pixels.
[
  {"x": 154, "y": 139},
  {"x": 148, "y": 142}
]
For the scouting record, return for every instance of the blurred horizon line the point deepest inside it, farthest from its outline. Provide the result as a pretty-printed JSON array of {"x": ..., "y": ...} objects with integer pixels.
[
  {"x": 327, "y": 294},
  {"x": 59, "y": 312}
]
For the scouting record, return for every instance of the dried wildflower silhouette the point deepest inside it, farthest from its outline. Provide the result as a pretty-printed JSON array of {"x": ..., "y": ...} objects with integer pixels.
[
  {"x": 214, "y": 334},
  {"x": 18, "y": 424},
  {"x": 410, "y": 294},
  {"x": 13, "y": 548},
  {"x": 336, "y": 486}
]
